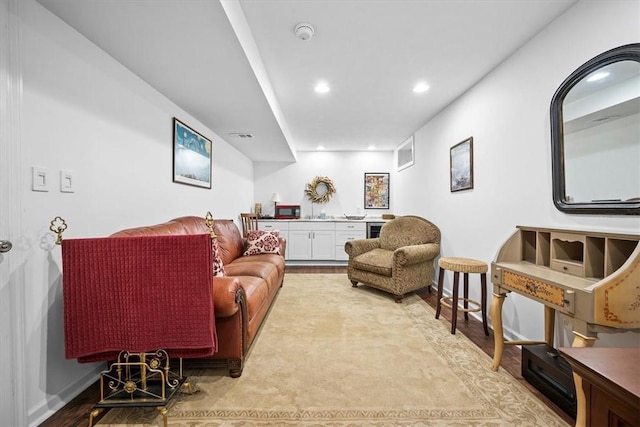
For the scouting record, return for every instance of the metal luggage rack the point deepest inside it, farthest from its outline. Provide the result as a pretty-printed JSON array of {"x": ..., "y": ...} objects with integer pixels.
[{"x": 139, "y": 380}]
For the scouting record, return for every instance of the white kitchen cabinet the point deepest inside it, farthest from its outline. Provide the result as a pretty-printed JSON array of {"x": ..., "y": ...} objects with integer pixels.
[
  {"x": 321, "y": 241},
  {"x": 346, "y": 231},
  {"x": 323, "y": 245},
  {"x": 299, "y": 245},
  {"x": 311, "y": 240}
]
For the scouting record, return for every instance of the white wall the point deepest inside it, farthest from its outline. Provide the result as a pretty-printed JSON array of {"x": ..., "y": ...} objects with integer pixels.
[
  {"x": 507, "y": 113},
  {"x": 345, "y": 168},
  {"x": 85, "y": 112}
]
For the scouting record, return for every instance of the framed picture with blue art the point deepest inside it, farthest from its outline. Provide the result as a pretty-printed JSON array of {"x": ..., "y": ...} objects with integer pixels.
[
  {"x": 191, "y": 156},
  {"x": 461, "y": 165}
]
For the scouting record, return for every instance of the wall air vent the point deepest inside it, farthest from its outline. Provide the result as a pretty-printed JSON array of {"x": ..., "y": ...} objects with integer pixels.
[{"x": 241, "y": 135}]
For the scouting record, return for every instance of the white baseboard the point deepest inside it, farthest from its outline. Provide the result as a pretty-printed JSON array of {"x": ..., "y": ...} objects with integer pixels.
[
  {"x": 310, "y": 263},
  {"x": 53, "y": 403},
  {"x": 508, "y": 333}
]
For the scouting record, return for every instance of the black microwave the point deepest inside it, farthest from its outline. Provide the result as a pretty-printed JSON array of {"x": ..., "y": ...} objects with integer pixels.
[{"x": 287, "y": 212}]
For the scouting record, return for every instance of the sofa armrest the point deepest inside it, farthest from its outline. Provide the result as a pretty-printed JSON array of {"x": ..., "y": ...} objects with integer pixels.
[
  {"x": 225, "y": 290},
  {"x": 413, "y": 254},
  {"x": 357, "y": 247}
]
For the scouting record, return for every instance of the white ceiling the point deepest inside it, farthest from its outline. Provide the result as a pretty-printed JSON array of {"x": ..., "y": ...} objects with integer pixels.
[{"x": 237, "y": 66}]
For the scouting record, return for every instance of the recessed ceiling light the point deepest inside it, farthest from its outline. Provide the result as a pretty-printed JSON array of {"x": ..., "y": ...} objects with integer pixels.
[
  {"x": 420, "y": 87},
  {"x": 321, "y": 87},
  {"x": 597, "y": 76}
]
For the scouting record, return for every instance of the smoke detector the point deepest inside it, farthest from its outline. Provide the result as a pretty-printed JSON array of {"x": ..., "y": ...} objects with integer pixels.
[{"x": 304, "y": 31}]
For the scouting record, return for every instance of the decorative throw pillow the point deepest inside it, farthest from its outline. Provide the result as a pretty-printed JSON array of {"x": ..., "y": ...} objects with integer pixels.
[
  {"x": 218, "y": 267},
  {"x": 262, "y": 242}
]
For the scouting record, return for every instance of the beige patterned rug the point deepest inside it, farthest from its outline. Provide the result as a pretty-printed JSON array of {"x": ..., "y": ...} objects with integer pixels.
[{"x": 332, "y": 355}]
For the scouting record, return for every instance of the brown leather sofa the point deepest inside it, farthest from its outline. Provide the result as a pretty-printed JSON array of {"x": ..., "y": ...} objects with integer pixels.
[{"x": 241, "y": 299}]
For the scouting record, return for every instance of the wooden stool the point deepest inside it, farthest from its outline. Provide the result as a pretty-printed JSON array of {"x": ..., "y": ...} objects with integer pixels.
[{"x": 466, "y": 266}]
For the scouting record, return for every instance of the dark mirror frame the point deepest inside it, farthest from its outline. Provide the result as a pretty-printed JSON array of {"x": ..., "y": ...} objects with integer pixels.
[{"x": 630, "y": 52}]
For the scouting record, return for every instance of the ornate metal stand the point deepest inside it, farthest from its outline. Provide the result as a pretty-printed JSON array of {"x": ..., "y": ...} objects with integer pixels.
[{"x": 137, "y": 380}]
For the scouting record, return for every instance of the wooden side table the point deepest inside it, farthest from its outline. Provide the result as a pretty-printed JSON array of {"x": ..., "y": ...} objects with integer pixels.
[{"x": 607, "y": 385}]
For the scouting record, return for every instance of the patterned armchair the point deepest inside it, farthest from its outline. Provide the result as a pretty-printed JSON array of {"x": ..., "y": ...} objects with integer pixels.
[{"x": 401, "y": 260}]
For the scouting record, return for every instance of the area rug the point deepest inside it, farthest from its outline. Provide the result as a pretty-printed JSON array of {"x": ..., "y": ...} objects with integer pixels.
[{"x": 333, "y": 355}]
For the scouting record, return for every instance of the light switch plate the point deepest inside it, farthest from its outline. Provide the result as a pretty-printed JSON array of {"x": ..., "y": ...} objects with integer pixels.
[
  {"x": 39, "y": 178},
  {"x": 67, "y": 182}
]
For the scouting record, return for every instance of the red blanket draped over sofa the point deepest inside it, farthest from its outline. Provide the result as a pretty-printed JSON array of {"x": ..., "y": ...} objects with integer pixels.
[{"x": 138, "y": 294}]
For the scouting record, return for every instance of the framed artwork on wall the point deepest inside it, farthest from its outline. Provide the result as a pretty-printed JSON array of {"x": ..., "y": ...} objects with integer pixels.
[
  {"x": 191, "y": 156},
  {"x": 376, "y": 190},
  {"x": 404, "y": 154},
  {"x": 461, "y": 165}
]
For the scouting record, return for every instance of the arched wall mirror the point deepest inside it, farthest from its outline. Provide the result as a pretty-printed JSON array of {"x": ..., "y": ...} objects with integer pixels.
[{"x": 595, "y": 136}]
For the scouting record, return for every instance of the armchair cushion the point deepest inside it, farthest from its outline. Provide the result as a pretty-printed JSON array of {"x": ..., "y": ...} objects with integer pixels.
[{"x": 377, "y": 261}]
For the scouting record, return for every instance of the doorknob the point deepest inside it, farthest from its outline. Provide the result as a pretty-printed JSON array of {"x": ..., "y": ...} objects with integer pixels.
[{"x": 5, "y": 246}]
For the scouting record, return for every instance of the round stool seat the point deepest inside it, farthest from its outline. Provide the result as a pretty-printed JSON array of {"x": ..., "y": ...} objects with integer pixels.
[{"x": 462, "y": 265}]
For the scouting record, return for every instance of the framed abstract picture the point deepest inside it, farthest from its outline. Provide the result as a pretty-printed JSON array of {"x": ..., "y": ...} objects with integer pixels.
[
  {"x": 191, "y": 156},
  {"x": 461, "y": 165},
  {"x": 376, "y": 190}
]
